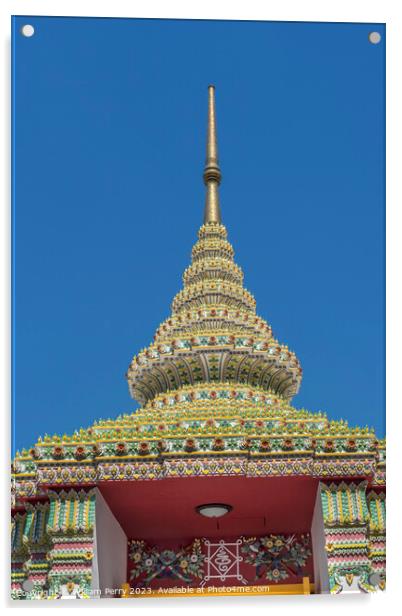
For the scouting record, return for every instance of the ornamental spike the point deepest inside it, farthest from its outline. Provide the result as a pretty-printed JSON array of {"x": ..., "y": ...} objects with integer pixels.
[{"x": 212, "y": 172}]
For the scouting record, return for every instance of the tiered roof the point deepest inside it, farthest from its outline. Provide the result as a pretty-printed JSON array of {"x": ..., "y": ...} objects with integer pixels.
[{"x": 215, "y": 389}]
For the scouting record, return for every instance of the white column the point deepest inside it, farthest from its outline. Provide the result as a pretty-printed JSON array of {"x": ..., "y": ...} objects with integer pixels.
[
  {"x": 321, "y": 580},
  {"x": 109, "y": 568}
]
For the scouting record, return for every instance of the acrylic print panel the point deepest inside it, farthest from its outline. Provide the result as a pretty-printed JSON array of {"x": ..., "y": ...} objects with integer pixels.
[{"x": 171, "y": 436}]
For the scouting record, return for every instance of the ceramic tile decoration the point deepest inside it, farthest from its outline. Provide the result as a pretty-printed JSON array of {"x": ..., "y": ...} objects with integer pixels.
[{"x": 212, "y": 470}]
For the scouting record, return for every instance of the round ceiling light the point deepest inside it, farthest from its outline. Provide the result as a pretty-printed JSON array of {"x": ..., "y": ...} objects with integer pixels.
[{"x": 214, "y": 510}]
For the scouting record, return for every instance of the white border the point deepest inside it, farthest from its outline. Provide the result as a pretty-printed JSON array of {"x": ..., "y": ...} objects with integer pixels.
[{"x": 372, "y": 11}]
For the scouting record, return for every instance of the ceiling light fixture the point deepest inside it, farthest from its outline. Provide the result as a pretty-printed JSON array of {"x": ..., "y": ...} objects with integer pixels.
[{"x": 214, "y": 510}]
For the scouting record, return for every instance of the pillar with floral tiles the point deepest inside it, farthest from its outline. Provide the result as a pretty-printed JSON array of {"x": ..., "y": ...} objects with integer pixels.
[{"x": 354, "y": 523}]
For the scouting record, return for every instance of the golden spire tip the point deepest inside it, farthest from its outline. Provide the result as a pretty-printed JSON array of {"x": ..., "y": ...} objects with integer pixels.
[{"x": 212, "y": 172}]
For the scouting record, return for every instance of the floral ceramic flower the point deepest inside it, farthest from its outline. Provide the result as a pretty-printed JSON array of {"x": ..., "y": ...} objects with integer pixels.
[
  {"x": 184, "y": 564},
  {"x": 128, "y": 471},
  {"x": 143, "y": 448},
  {"x": 58, "y": 452},
  {"x": 79, "y": 452},
  {"x": 121, "y": 449},
  {"x": 218, "y": 444},
  {"x": 161, "y": 445},
  {"x": 189, "y": 444}
]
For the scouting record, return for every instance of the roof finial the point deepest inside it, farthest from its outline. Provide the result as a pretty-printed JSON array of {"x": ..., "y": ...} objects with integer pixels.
[{"x": 212, "y": 173}]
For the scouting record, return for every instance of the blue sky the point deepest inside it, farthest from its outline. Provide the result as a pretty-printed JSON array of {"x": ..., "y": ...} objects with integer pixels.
[{"x": 109, "y": 146}]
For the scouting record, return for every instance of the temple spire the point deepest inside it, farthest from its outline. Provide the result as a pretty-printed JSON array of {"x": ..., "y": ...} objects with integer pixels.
[{"x": 212, "y": 173}]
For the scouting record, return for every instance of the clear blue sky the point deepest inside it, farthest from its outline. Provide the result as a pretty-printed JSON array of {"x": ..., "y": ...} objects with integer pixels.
[{"x": 110, "y": 121}]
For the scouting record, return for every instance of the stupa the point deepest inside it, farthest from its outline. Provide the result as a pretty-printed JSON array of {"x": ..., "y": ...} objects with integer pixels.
[{"x": 216, "y": 484}]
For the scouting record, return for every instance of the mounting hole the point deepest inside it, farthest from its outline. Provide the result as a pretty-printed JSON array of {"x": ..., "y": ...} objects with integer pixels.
[
  {"x": 27, "y": 585},
  {"x": 374, "y": 37},
  {"x": 374, "y": 579},
  {"x": 27, "y": 30}
]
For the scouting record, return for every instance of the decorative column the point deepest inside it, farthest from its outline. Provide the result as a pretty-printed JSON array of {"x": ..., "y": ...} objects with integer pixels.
[
  {"x": 38, "y": 544},
  {"x": 376, "y": 506},
  {"x": 29, "y": 547},
  {"x": 71, "y": 525},
  {"x": 19, "y": 555},
  {"x": 346, "y": 528}
]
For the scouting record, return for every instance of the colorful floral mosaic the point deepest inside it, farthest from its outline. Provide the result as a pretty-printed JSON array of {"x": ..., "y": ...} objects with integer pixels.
[
  {"x": 52, "y": 546},
  {"x": 209, "y": 429},
  {"x": 150, "y": 563},
  {"x": 276, "y": 557},
  {"x": 354, "y": 536}
]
